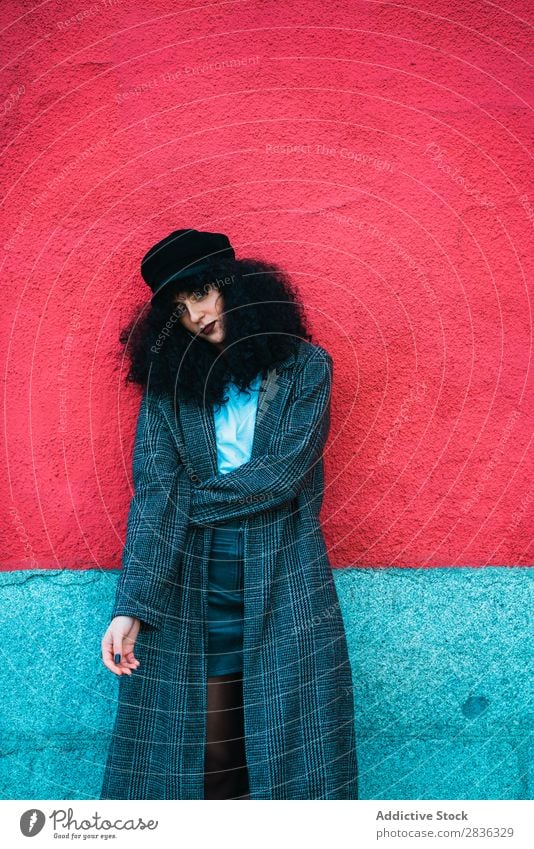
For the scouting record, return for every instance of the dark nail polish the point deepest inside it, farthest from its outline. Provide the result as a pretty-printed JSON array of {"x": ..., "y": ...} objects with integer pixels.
[{"x": 117, "y": 658}]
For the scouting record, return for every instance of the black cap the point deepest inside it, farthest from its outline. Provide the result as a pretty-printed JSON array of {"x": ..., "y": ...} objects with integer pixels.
[{"x": 181, "y": 254}]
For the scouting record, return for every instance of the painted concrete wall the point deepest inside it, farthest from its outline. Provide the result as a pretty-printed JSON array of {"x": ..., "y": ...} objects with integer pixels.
[
  {"x": 408, "y": 234},
  {"x": 441, "y": 665},
  {"x": 380, "y": 155}
]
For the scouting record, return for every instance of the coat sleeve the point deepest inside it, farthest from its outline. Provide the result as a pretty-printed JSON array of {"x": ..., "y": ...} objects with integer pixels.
[
  {"x": 157, "y": 520},
  {"x": 276, "y": 477}
]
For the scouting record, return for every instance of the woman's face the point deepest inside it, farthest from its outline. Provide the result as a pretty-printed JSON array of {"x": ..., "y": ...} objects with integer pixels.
[{"x": 203, "y": 310}]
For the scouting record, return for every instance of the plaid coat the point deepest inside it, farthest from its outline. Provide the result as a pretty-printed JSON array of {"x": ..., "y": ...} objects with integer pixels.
[{"x": 297, "y": 685}]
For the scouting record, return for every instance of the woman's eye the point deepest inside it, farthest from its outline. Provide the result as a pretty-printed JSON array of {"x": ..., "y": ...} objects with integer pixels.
[{"x": 198, "y": 295}]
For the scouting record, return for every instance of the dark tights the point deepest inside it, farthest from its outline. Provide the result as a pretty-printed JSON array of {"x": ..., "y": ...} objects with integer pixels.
[{"x": 225, "y": 771}]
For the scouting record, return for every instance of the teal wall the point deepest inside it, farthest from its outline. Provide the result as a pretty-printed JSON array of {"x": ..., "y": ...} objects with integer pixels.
[{"x": 442, "y": 670}]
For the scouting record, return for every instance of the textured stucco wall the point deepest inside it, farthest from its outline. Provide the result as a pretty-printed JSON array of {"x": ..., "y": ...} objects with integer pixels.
[
  {"x": 440, "y": 663},
  {"x": 380, "y": 153}
]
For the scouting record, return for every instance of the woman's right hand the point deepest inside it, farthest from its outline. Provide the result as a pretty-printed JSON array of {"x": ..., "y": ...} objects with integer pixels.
[{"x": 119, "y": 639}]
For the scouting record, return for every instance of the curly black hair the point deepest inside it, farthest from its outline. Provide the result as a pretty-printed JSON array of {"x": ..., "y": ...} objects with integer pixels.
[{"x": 264, "y": 323}]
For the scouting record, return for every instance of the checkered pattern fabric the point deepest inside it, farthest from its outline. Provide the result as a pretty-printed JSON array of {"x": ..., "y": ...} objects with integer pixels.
[{"x": 297, "y": 682}]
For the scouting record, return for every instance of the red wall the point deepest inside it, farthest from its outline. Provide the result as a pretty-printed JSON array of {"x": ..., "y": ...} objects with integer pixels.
[{"x": 378, "y": 152}]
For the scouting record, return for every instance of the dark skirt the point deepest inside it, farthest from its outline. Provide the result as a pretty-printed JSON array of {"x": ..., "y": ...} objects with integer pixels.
[{"x": 225, "y": 600}]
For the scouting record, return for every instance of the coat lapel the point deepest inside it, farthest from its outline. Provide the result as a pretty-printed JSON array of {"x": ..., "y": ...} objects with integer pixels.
[{"x": 194, "y": 430}]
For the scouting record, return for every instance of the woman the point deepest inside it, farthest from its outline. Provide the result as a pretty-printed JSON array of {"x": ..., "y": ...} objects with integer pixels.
[{"x": 226, "y": 633}]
